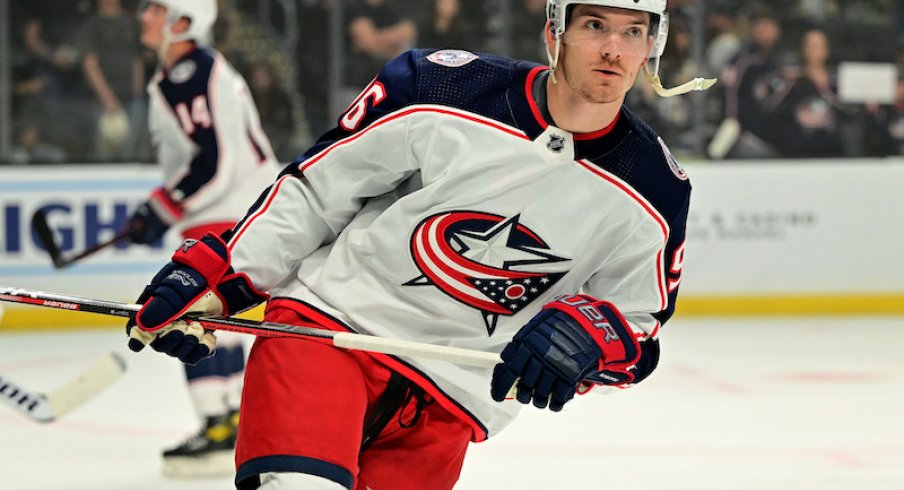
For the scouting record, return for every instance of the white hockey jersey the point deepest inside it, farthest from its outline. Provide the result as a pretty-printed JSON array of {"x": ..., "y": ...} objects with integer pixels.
[
  {"x": 445, "y": 208},
  {"x": 207, "y": 134}
]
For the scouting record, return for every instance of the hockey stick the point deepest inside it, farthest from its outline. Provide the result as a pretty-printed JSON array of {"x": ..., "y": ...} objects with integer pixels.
[
  {"x": 48, "y": 408},
  {"x": 345, "y": 340},
  {"x": 45, "y": 233}
]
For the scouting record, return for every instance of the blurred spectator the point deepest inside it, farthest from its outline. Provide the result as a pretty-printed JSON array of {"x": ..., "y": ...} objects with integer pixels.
[
  {"x": 884, "y": 133},
  {"x": 53, "y": 100},
  {"x": 899, "y": 27},
  {"x": 29, "y": 115},
  {"x": 314, "y": 60},
  {"x": 447, "y": 28},
  {"x": 115, "y": 71},
  {"x": 724, "y": 42},
  {"x": 378, "y": 32},
  {"x": 275, "y": 108},
  {"x": 225, "y": 29},
  {"x": 473, "y": 12},
  {"x": 810, "y": 104},
  {"x": 671, "y": 117},
  {"x": 48, "y": 36},
  {"x": 527, "y": 36},
  {"x": 815, "y": 10},
  {"x": 750, "y": 81}
]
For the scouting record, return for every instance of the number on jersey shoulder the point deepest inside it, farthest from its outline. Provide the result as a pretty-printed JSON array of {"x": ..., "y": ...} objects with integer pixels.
[
  {"x": 375, "y": 93},
  {"x": 199, "y": 115}
]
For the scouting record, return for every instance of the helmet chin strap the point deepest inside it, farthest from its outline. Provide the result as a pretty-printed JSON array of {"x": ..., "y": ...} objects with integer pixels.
[
  {"x": 166, "y": 41},
  {"x": 554, "y": 57},
  {"x": 697, "y": 84}
]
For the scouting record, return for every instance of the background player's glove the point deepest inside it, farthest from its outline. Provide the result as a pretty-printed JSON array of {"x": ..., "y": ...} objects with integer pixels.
[
  {"x": 151, "y": 220},
  {"x": 198, "y": 280},
  {"x": 572, "y": 338}
]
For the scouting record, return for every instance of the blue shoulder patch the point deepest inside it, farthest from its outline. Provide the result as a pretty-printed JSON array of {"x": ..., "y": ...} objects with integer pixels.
[
  {"x": 475, "y": 82},
  {"x": 452, "y": 58},
  {"x": 188, "y": 78}
]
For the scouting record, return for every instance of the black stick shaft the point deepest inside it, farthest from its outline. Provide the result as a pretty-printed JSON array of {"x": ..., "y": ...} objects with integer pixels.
[
  {"x": 125, "y": 310},
  {"x": 43, "y": 230}
]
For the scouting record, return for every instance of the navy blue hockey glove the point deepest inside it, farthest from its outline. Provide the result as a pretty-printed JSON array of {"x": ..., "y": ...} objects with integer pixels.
[
  {"x": 572, "y": 339},
  {"x": 153, "y": 218},
  {"x": 199, "y": 279}
]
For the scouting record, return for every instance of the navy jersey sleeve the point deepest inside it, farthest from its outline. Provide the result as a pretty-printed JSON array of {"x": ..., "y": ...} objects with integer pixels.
[{"x": 190, "y": 102}]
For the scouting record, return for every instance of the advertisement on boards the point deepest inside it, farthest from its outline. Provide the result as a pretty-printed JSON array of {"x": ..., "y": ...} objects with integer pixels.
[{"x": 84, "y": 205}]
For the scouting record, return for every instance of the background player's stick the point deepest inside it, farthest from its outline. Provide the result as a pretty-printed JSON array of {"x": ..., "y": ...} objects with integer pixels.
[
  {"x": 77, "y": 391},
  {"x": 346, "y": 340},
  {"x": 45, "y": 233}
]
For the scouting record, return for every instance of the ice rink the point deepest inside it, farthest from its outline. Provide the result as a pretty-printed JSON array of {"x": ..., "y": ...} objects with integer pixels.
[{"x": 777, "y": 404}]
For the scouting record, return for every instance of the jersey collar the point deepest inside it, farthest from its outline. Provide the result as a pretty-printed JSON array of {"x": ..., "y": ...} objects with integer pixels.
[{"x": 587, "y": 145}]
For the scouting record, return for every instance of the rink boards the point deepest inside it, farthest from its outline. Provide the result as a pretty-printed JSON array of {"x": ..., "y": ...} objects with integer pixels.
[{"x": 763, "y": 238}]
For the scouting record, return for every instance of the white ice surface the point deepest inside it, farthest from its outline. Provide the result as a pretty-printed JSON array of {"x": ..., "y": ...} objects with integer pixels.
[{"x": 778, "y": 404}]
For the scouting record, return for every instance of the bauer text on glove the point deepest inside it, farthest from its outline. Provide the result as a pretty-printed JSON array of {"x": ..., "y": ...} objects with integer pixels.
[
  {"x": 571, "y": 339},
  {"x": 199, "y": 279}
]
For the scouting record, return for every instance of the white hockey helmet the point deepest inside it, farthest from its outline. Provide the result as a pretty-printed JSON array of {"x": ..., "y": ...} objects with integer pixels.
[
  {"x": 557, "y": 14},
  {"x": 201, "y": 13},
  {"x": 557, "y": 11}
]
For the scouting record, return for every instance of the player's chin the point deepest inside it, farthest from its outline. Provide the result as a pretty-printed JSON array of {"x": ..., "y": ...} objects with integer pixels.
[{"x": 601, "y": 95}]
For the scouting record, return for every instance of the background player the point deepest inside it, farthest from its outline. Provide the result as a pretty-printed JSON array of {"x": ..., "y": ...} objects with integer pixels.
[
  {"x": 215, "y": 159},
  {"x": 463, "y": 199}
]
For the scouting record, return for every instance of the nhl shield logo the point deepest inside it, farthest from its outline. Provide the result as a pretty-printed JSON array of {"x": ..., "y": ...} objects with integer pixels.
[{"x": 556, "y": 143}]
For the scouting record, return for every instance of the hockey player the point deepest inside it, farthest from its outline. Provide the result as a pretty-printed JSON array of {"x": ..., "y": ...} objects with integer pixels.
[
  {"x": 463, "y": 199},
  {"x": 215, "y": 159}
]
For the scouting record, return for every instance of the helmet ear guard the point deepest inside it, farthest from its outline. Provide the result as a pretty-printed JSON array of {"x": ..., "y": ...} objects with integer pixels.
[{"x": 660, "y": 33}]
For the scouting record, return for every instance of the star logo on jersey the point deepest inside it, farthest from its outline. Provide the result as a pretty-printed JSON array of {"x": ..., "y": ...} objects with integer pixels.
[{"x": 490, "y": 263}]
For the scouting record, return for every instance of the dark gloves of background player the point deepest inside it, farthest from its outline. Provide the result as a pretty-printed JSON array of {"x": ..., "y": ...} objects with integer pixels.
[
  {"x": 574, "y": 339},
  {"x": 151, "y": 220},
  {"x": 200, "y": 280}
]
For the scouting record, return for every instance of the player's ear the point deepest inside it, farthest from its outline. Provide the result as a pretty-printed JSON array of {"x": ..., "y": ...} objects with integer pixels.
[
  {"x": 549, "y": 33},
  {"x": 181, "y": 25}
]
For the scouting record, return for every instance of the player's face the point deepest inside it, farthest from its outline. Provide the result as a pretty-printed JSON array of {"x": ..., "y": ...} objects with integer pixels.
[
  {"x": 153, "y": 20},
  {"x": 603, "y": 50}
]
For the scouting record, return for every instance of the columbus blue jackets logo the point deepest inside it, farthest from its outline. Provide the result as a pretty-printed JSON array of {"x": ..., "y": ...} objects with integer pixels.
[{"x": 487, "y": 262}]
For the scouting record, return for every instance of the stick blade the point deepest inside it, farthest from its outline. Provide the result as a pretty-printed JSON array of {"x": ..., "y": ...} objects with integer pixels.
[
  {"x": 45, "y": 234},
  {"x": 31, "y": 404},
  {"x": 87, "y": 385}
]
